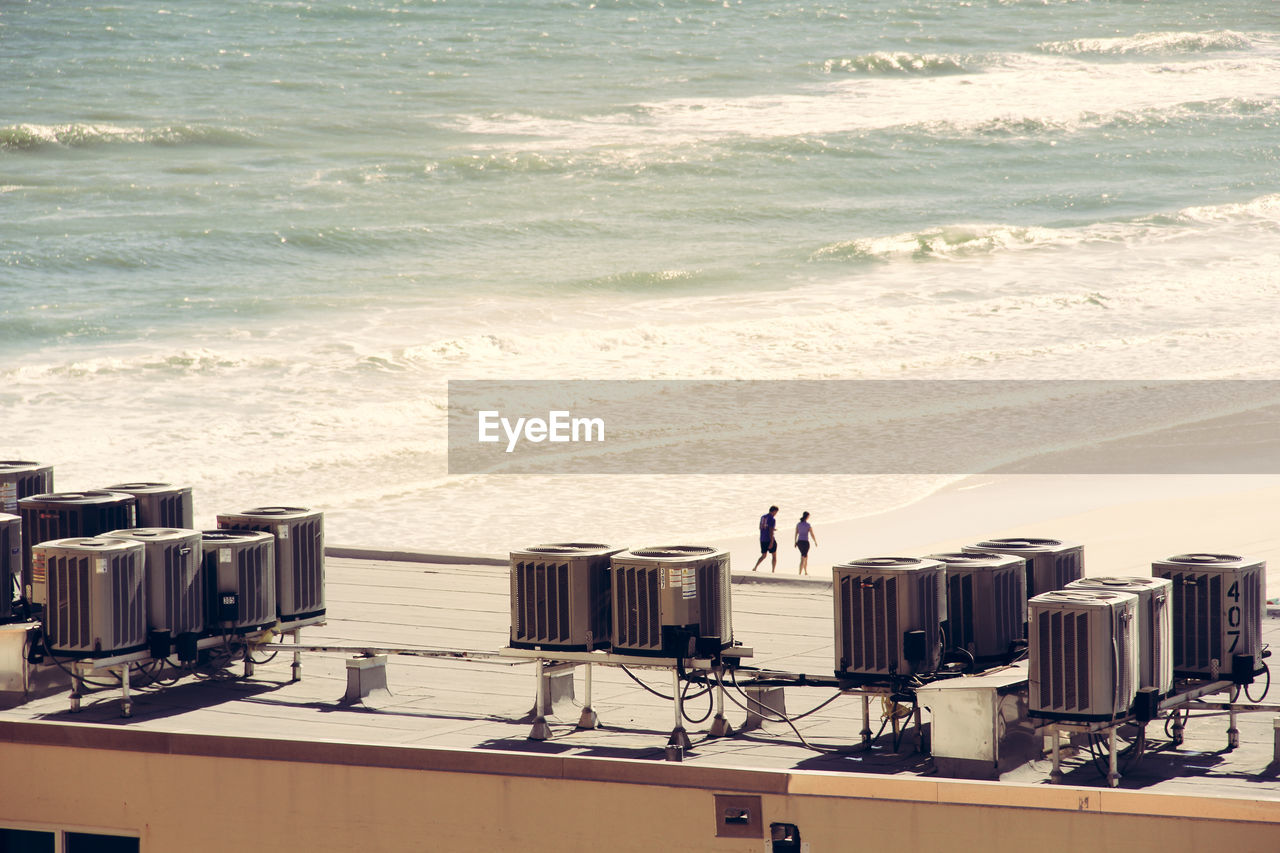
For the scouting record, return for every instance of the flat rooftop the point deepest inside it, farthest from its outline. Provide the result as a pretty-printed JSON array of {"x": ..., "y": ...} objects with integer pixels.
[{"x": 405, "y": 601}]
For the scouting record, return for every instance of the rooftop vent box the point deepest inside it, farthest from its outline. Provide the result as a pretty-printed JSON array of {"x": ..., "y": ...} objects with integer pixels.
[
  {"x": 92, "y": 589},
  {"x": 1155, "y": 625},
  {"x": 19, "y": 479},
  {"x": 239, "y": 577},
  {"x": 985, "y": 599},
  {"x": 672, "y": 601},
  {"x": 160, "y": 504},
  {"x": 879, "y": 601},
  {"x": 1218, "y": 602},
  {"x": 560, "y": 596},
  {"x": 1051, "y": 563},
  {"x": 1083, "y": 651},
  {"x": 172, "y": 568},
  {"x": 299, "y": 557},
  {"x": 64, "y": 515}
]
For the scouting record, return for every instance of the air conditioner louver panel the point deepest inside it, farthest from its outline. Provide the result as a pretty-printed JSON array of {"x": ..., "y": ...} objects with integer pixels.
[
  {"x": 985, "y": 602},
  {"x": 1217, "y": 610},
  {"x": 19, "y": 480},
  {"x": 1083, "y": 654},
  {"x": 172, "y": 566},
  {"x": 299, "y": 557},
  {"x": 10, "y": 562},
  {"x": 560, "y": 596},
  {"x": 665, "y": 598},
  {"x": 96, "y": 605},
  {"x": 1154, "y": 624},
  {"x": 878, "y": 600},
  {"x": 64, "y": 515},
  {"x": 1050, "y": 563},
  {"x": 242, "y": 563},
  {"x": 160, "y": 504}
]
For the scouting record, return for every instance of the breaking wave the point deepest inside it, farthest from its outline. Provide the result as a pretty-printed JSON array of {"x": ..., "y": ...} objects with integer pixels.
[
  {"x": 33, "y": 137},
  {"x": 1161, "y": 43},
  {"x": 896, "y": 63}
]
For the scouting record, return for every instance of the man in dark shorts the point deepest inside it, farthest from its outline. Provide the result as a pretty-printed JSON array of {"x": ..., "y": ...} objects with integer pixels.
[{"x": 768, "y": 542}]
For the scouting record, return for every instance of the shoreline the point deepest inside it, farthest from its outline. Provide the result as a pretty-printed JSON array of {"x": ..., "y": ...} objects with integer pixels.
[{"x": 1124, "y": 521}]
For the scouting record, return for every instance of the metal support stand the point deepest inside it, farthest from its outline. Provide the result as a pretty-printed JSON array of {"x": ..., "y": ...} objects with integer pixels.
[
  {"x": 1113, "y": 774},
  {"x": 679, "y": 737},
  {"x": 297, "y": 655},
  {"x": 1055, "y": 775},
  {"x": 720, "y": 726},
  {"x": 248, "y": 662},
  {"x": 866, "y": 720},
  {"x": 540, "y": 730},
  {"x": 1178, "y": 728},
  {"x": 1109, "y": 728},
  {"x": 77, "y": 689},
  {"x": 588, "y": 719},
  {"x": 126, "y": 701},
  {"x": 1233, "y": 733},
  {"x": 922, "y": 742}
]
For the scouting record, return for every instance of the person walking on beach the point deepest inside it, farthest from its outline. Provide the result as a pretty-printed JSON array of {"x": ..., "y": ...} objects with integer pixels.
[
  {"x": 768, "y": 542},
  {"x": 805, "y": 534}
]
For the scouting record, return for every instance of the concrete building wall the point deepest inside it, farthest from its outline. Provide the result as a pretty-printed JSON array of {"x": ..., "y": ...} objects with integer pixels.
[{"x": 193, "y": 793}]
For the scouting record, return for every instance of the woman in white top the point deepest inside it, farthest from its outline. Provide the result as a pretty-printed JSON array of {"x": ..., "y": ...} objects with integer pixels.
[{"x": 805, "y": 534}]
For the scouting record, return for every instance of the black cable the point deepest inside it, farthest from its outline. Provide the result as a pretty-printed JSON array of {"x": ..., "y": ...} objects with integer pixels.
[
  {"x": 142, "y": 668},
  {"x": 898, "y": 734},
  {"x": 884, "y": 721},
  {"x": 784, "y": 718},
  {"x": 1267, "y": 670},
  {"x": 173, "y": 679},
  {"x": 764, "y": 711},
  {"x": 105, "y": 685},
  {"x": 688, "y": 678},
  {"x": 711, "y": 705},
  {"x": 636, "y": 679},
  {"x": 824, "y": 703}
]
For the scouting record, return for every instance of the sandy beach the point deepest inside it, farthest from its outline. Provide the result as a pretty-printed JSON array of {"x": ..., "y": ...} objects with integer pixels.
[{"x": 1124, "y": 522}]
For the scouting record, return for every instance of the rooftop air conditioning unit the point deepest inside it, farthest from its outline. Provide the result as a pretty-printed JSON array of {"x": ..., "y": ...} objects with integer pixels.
[
  {"x": 95, "y": 603},
  {"x": 175, "y": 591},
  {"x": 886, "y": 616},
  {"x": 240, "y": 580},
  {"x": 984, "y": 603},
  {"x": 672, "y": 601},
  {"x": 1155, "y": 625},
  {"x": 299, "y": 557},
  {"x": 10, "y": 562},
  {"x": 19, "y": 480},
  {"x": 560, "y": 596},
  {"x": 1083, "y": 648},
  {"x": 1051, "y": 563},
  {"x": 1218, "y": 602},
  {"x": 160, "y": 504},
  {"x": 63, "y": 515}
]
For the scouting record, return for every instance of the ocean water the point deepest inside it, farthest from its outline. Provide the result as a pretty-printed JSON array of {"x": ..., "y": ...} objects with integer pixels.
[{"x": 245, "y": 245}]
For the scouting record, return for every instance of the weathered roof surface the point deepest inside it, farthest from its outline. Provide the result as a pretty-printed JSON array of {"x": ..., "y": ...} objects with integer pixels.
[{"x": 484, "y": 704}]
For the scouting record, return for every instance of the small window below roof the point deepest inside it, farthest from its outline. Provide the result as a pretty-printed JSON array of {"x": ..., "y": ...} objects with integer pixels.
[
  {"x": 92, "y": 842},
  {"x": 27, "y": 841}
]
